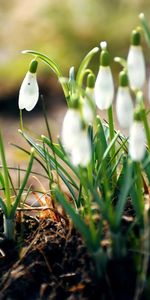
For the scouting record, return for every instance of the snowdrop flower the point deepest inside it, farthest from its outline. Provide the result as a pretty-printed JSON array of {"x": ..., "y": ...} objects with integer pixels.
[
  {"x": 29, "y": 91},
  {"x": 104, "y": 86},
  {"x": 136, "y": 63},
  {"x": 137, "y": 140},
  {"x": 81, "y": 152},
  {"x": 72, "y": 126},
  {"x": 87, "y": 103},
  {"x": 124, "y": 104}
]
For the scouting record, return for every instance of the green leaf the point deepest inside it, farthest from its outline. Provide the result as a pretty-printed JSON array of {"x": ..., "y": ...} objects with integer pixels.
[
  {"x": 39, "y": 149},
  {"x": 6, "y": 174},
  {"x": 21, "y": 190},
  {"x": 100, "y": 141},
  {"x": 145, "y": 27},
  {"x": 126, "y": 184},
  {"x": 146, "y": 165},
  {"x": 2, "y": 181},
  {"x": 3, "y": 207},
  {"x": 77, "y": 220},
  {"x": 56, "y": 148},
  {"x": 84, "y": 64}
]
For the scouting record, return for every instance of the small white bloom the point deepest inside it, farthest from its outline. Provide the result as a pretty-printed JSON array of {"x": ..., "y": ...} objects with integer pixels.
[
  {"x": 72, "y": 126},
  {"x": 137, "y": 146},
  {"x": 124, "y": 107},
  {"x": 104, "y": 88},
  {"x": 81, "y": 152},
  {"x": 136, "y": 67},
  {"x": 29, "y": 92},
  {"x": 87, "y": 112},
  {"x": 90, "y": 92}
]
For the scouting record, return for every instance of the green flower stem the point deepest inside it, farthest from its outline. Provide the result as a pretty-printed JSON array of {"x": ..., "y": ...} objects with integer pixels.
[
  {"x": 146, "y": 126},
  {"x": 6, "y": 176},
  {"x": 139, "y": 184},
  {"x": 9, "y": 228},
  {"x": 111, "y": 136},
  {"x": 21, "y": 120}
]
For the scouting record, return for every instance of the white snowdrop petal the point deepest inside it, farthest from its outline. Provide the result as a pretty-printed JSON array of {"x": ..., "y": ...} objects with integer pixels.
[
  {"x": 137, "y": 141},
  {"x": 104, "y": 88},
  {"x": 136, "y": 67},
  {"x": 90, "y": 92},
  {"x": 29, "y": 92},
  {"x": 71, "y": 128},
  {"x": 81, "y": 152},
  {"x": 87, "y": 112},
  {"x": 124, "y": 107}
]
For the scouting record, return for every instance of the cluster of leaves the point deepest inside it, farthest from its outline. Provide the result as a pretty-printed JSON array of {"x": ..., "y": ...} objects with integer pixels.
[{"x": 103, "y": 190}]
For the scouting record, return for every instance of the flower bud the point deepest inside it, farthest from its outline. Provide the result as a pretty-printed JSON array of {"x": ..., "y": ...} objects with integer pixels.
[
  {"x": 29, "y": 90},
  {"x": 81, "y": 152},
  {"x": 137, "y": 140},
  {"x": 72, "y": 125},
  {"x": 124, "y": 104},
  {"x": 104, "y": 86},
  {"x": 136, "y": 63}
]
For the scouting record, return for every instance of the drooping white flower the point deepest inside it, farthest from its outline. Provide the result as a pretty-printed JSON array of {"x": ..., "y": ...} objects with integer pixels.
[
  {"x": 136, "y": 63},
  {"x": 87, "y": 101},
  {"x": 124, "y": 104},
  {"x": 137, "y": 140},
  {"x": 72, "y": 126},
  {"x": 81, "y": 152},
  {"x": 29, "y": 91},
  {"x": 104, "y": 86},
  {"x": 87, "y": 111}
]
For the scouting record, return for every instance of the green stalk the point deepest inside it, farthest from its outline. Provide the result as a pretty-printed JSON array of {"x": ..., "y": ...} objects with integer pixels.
[
  {"x": 146, "y": 126},
  {"x": 13, "y": 210},
  {"x": 9, "y": 228},
  {"x": 111, "y": 136},
  {"x": 6, "y": 176},
  {"x": 139, "y": 185},
  {"x": 21, "y": 120}
]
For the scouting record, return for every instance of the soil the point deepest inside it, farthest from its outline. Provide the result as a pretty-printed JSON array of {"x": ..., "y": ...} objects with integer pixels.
[{"x": 50, "y": 261}]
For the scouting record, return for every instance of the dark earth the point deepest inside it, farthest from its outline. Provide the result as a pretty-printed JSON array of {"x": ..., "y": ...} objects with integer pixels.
[{"x": 49, "y": 261}]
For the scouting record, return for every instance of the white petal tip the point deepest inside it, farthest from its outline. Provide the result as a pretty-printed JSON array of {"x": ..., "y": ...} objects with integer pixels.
[
  {"x": 141, "y": 16},
  {"x": 103, "y": 45}
]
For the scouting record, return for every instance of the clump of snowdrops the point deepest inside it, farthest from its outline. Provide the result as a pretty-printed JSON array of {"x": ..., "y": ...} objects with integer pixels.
[{"x": 103, "y": 170}]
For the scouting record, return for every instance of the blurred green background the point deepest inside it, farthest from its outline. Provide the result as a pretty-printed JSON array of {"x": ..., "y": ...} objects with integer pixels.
[{"x": 64, "y": 30}]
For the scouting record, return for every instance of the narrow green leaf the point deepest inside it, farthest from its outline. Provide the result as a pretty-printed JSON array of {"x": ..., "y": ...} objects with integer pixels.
[
  {"x": 100, "y": 141},
  {"x": 6, "y": 174},
  {"x": 146, "y": 165},
  {"x": 21, "y": 190},
  {"x": 3, "y": 207},
  {"x": 84, "y": 64},
  {"x": 126, "y": 184},
  {"x": 2, "y": 181},
  {"x": 77, "y": 220},
  {"x": 61, "y": 154},
  {"x": 39, "y": 149},
  {"x": 145, "y": 27}
]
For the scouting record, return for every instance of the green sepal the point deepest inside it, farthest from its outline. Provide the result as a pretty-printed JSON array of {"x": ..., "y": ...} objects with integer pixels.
[
  {"x": 123, "y": 79},
  {"x": 135, "y": 38},
  {"x": 90, "y": 80},
  {"x": 33, "y": 66},
  {"x": 105, "y": 58}
]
